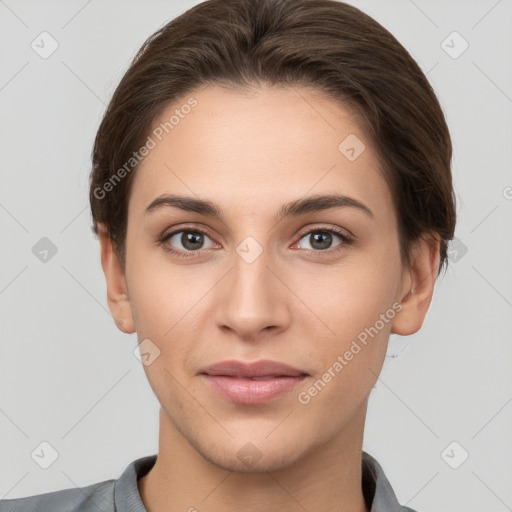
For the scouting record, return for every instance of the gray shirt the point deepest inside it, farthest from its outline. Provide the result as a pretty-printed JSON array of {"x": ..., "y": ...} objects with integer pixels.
[{"x": 122, "y": 495}]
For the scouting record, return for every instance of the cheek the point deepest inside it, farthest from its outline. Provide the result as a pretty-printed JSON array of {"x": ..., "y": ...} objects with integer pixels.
[
  {"x": 356, "y": 303},
  {"x": 163, "y": 306},
  {"x": 168, "y": 306},
  {"x": 351, "y": 296},
  {"x": 358, "y": 309},
  {"x": 157, "y": 289}
]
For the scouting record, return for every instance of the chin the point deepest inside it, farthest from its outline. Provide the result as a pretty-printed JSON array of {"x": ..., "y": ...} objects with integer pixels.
[{"x": 250, "y": 459}]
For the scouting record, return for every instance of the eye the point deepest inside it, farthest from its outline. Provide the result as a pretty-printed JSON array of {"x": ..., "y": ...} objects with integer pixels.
[
  {"x": 189, "y": 242},
  {"x": 320, "y": 239},
  {"x": 185, "y": 241}
]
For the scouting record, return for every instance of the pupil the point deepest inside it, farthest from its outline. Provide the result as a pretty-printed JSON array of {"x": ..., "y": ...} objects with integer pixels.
[
  {"x": 191, "y": 240},
  {"x": 324, "y": 244}
]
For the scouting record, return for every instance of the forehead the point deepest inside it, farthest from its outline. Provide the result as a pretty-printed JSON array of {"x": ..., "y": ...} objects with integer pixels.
[{"x": 258, "y": 148}]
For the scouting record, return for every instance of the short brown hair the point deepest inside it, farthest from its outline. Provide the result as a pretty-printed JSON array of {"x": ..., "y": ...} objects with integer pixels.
[{"x": 325, "y": 44}]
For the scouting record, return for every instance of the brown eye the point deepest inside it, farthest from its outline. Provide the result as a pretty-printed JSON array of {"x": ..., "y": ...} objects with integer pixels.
[
  {"x": 322, "y": 239},
  {"x": 191, "y": 241},
  {"x": 185, "y": 241}
]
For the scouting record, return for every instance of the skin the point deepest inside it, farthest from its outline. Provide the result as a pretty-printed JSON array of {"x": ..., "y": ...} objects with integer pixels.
[{"x": 298, "y": 303}]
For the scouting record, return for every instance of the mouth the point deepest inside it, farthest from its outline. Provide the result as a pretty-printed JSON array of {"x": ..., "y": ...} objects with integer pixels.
[{"x": 252, "y": 383}]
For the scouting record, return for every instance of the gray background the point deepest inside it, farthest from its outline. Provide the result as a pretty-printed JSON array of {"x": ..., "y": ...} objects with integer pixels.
[{"x": 69, "y": 377}]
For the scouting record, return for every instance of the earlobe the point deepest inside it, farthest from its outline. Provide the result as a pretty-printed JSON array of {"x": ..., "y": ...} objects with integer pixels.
[
  {"x": 117, "y": 292},
  {"x": 423, "y": 272}
]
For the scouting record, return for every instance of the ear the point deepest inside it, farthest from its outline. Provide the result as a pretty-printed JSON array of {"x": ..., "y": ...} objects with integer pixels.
[
  {"x": 117, "y": 292},
  {"x": 418, "y": 287}
]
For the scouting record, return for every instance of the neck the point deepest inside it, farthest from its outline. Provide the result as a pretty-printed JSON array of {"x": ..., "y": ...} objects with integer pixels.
[{"x": 327, "y": 478}]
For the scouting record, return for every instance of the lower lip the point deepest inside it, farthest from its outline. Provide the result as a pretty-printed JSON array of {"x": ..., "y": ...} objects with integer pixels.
[{"x": 252, "y": 392}]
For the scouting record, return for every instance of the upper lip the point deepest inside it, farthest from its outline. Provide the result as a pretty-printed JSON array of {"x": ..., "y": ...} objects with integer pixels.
[{"x": 263, "y": 368}]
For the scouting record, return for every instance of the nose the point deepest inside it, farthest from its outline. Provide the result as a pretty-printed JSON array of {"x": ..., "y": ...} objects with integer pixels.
[{"x": 253, "y": 299}]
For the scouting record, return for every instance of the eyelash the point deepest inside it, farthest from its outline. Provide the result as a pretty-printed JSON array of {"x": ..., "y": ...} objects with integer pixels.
[{"x": 346, "y": 240}]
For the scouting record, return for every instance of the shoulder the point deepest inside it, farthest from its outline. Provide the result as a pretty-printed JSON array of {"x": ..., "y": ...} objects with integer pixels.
[
  {"x": 99, "y": 496},
  {"x": 379, "y": 495},
  {"x": 107, "y": 496}
]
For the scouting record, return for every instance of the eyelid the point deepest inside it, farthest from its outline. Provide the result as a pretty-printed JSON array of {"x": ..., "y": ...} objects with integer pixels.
[
  {"x": 193, "y": 228},
  {"x": 347, "y": 239},
  {"x": 344, "y": 233},
  {"x": 167, "y": 235}
]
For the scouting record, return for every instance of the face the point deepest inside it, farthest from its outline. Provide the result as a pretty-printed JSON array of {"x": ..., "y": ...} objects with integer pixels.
[{"x": 314, "y": 286}]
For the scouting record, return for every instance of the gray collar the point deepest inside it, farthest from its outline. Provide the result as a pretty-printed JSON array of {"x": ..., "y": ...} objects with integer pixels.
[{"x": 377, "y": 490}]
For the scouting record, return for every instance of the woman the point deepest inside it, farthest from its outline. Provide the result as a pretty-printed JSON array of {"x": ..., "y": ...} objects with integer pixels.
[{"x": 272, "y": 192}]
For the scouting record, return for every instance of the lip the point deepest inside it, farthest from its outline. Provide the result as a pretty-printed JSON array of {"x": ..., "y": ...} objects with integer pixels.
[
  {"x": 262, "y": 368},
  {"x": 252, "y": 383}
]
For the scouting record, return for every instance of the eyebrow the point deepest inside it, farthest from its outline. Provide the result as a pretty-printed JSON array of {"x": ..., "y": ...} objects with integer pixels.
[{"x": 316, "y": 203}]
